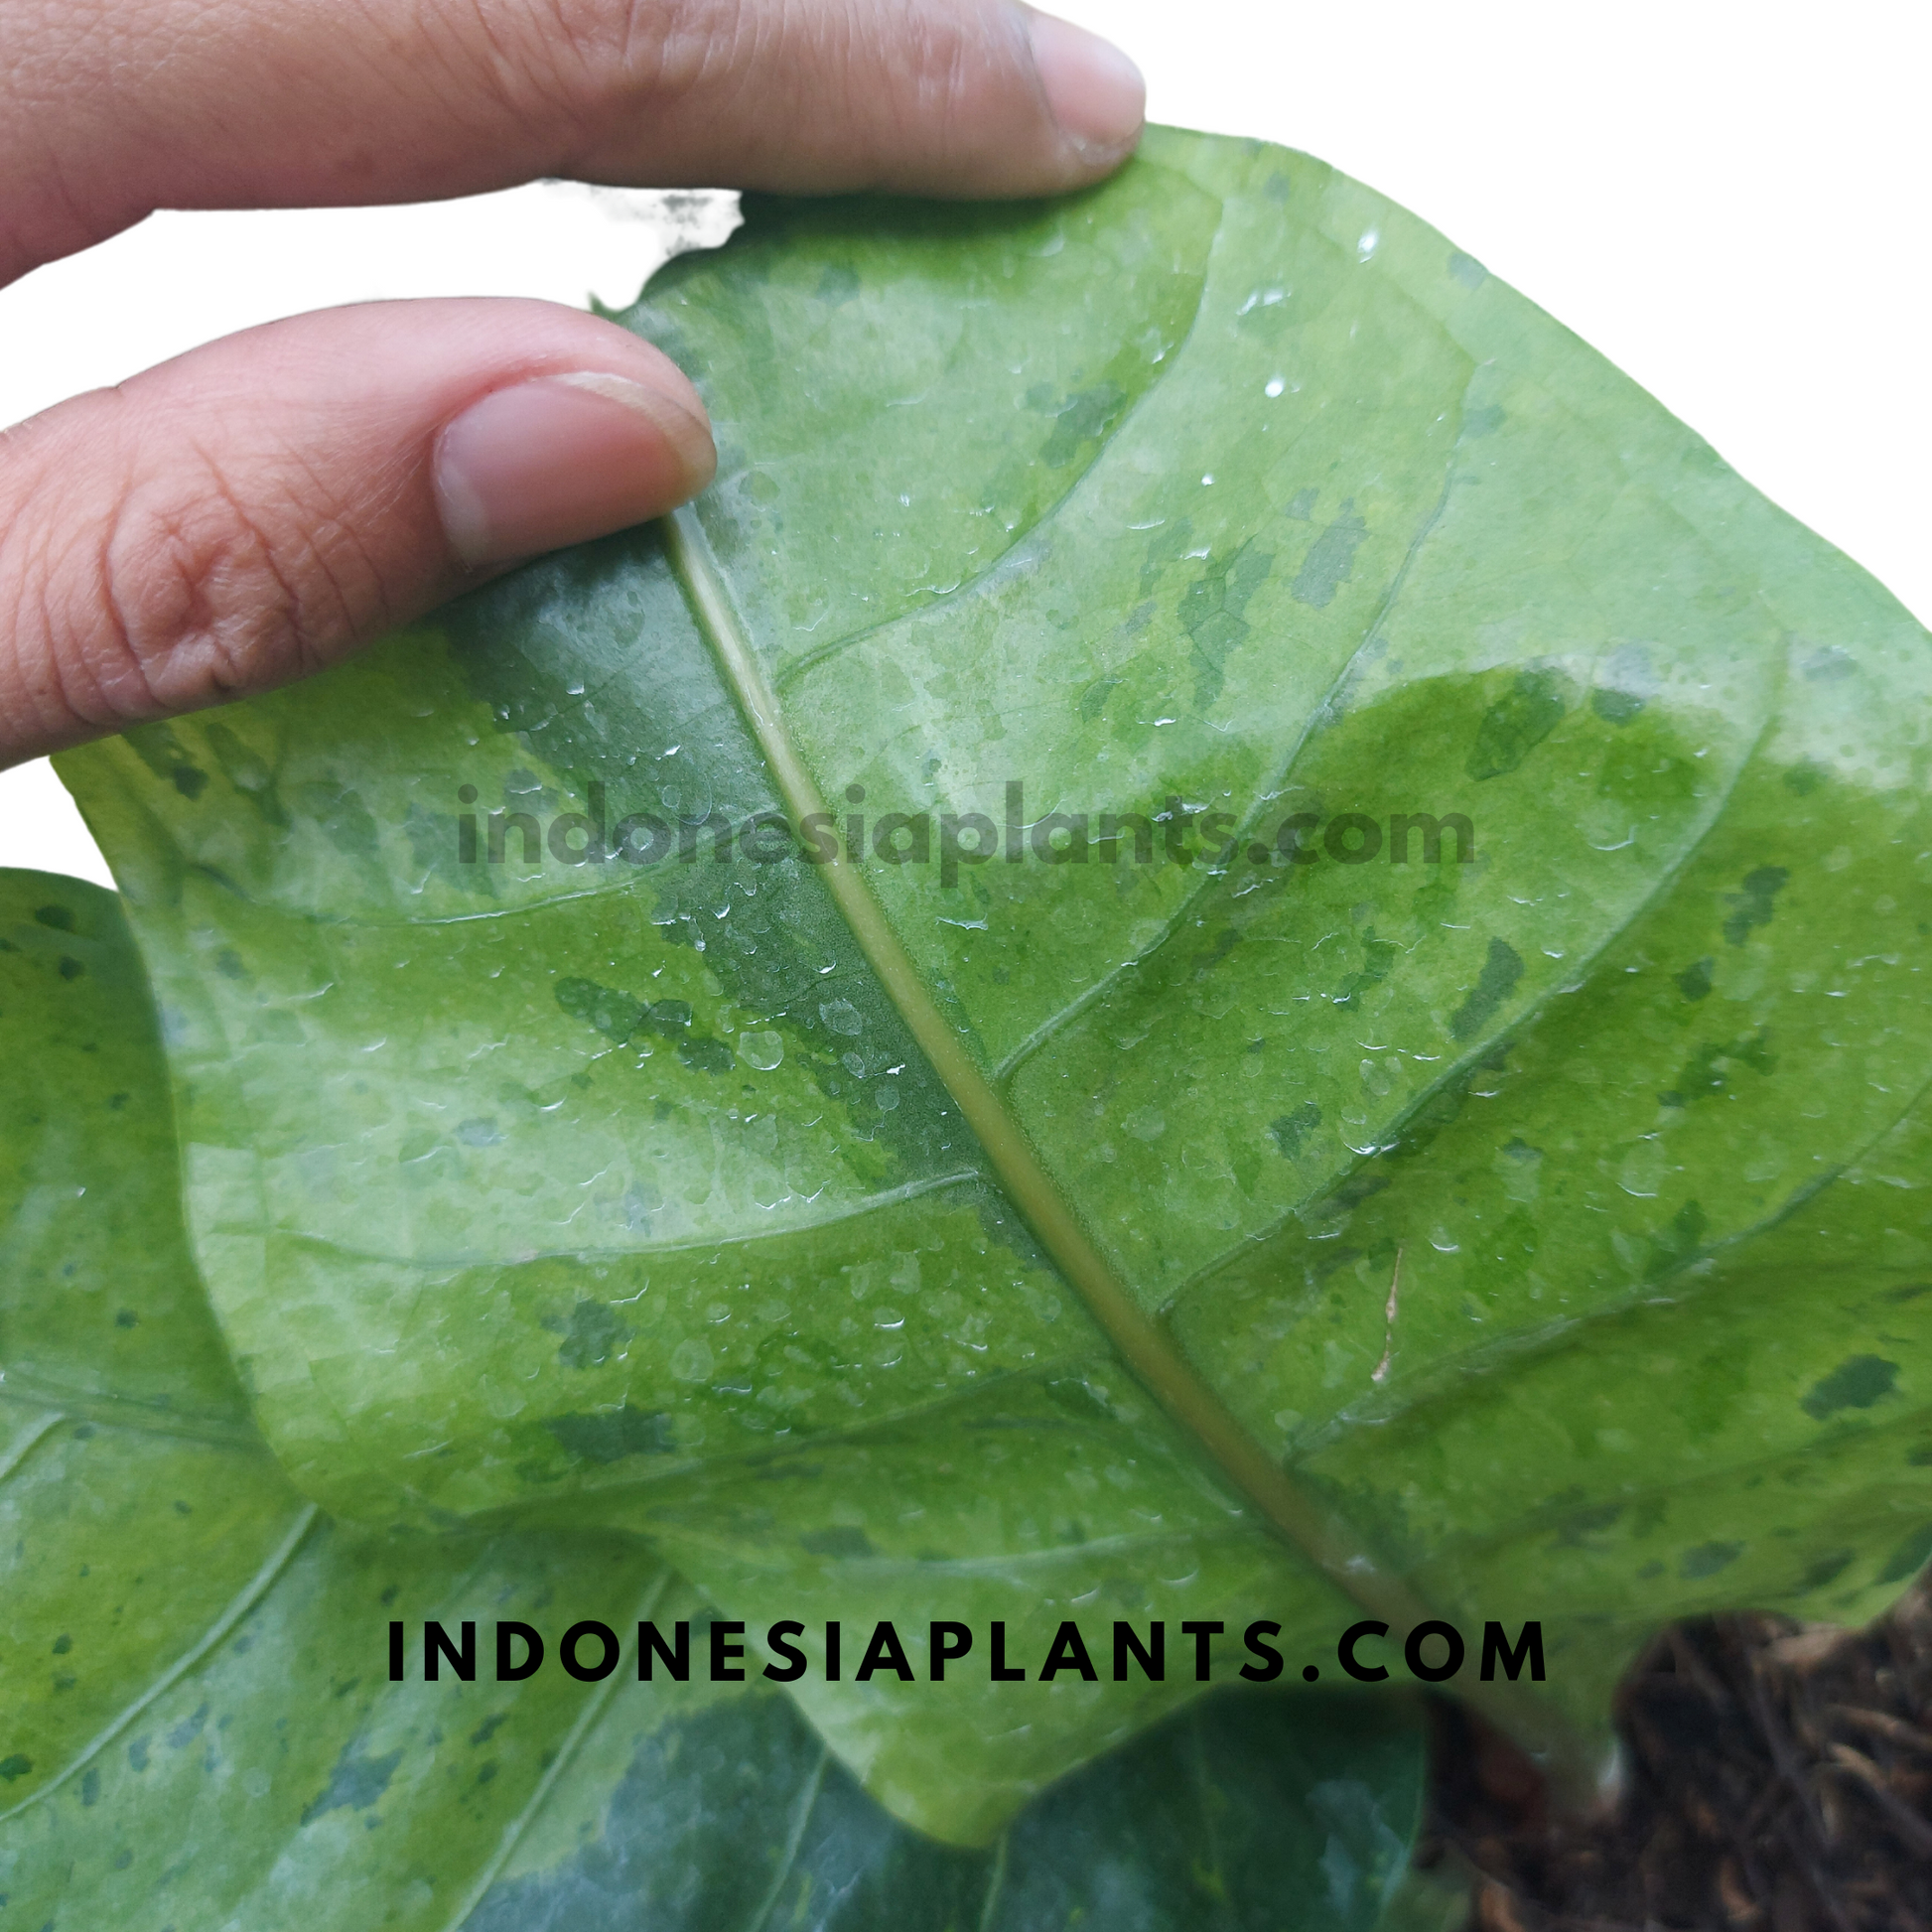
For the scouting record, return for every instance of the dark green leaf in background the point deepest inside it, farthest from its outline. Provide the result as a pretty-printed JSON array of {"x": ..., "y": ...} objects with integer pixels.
[{"x": 1550, "y": 1211}]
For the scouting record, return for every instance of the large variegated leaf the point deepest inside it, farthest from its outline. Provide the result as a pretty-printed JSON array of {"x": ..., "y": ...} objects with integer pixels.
[
  {"x": 1520, "y": 1213},
  {"x": 198, "y": 1728}
]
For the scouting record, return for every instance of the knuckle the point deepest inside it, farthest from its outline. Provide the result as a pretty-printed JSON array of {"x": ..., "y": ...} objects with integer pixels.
[
  {"x": 139, "y": 580},
  {"x": 195, "y": 599},
  {"x": 672, "y": 48},
  {"x": 852, "y": 74},
  {"x": 601, "y": 54}
]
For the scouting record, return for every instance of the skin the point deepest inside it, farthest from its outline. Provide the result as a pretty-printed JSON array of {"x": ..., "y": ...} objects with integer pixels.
[{"x": 265, "y": 505}]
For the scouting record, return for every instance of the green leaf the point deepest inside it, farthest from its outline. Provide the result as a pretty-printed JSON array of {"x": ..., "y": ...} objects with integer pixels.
[
  {"x": 1486, "y": 1177},
  {"x": 100, "y": 1307},
  {"x": 276, "y": 1773},
  {"x": 198, "y": 1722}
]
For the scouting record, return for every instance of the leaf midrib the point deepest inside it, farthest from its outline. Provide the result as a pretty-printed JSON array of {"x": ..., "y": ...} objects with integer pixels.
[{"x": 1308, "y": 1525}]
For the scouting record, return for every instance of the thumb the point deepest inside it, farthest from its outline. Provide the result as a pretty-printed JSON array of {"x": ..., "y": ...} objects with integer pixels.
[{"x": 258, "y": 508}]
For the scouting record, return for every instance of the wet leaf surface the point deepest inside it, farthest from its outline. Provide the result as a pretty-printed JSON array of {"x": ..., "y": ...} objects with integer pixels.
[
  {"x": 198, "y": 1725},
  {"x": 1439, "y": 990}
]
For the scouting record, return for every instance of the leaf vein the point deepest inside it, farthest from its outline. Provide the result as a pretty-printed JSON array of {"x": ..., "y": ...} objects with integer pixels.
[
  {"x": 794, "y": 1840},
  {"x": 244, "y": 1600},
  {"x": 808, "y": 661},
  {"x": 1456, "y": 1068},
  {"x": 1190, "y": 900},
  {"x": 594, "y": 1708}
]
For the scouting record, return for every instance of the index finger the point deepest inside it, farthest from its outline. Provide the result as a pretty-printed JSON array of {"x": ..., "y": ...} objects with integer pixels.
[{"x": 109, "y": 112}]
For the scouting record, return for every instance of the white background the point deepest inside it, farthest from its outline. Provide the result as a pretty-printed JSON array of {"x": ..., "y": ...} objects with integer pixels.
[{"x": 1730, "y": 201}]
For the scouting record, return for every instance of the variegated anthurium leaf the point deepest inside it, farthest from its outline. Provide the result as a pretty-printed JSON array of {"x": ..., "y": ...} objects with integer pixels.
[
  {"x": 1482, "y": 1171},
  {"x": 198, "y": 1728}
]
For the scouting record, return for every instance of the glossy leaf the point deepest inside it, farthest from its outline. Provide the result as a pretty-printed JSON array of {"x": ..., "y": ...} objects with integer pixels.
[
  {"x": 1539, "y": 1184},
  {"x": 196, "y": 1714}
]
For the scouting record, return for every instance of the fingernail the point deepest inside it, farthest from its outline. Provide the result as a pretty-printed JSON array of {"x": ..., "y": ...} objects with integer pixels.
[
  {"x": 1095, "y": 91},
  {"x": 562, "y": 458}
]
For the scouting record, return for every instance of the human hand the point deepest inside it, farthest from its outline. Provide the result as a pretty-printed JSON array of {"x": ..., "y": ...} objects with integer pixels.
[{"x": 260, "y": 507}]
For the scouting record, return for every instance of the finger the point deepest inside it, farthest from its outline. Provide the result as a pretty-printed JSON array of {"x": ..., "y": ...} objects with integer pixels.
[
  {"x": 109, "y": 112},
  {"x": 256, "y": 509}
]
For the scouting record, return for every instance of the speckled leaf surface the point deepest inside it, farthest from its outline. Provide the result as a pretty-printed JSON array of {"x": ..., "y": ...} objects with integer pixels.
[
  {"x": 99, "y": 1306},
  {"x": 272, "y": 1776},
  {"x": 196, "y": 1724},
  {"x": 1544, "y": 1198}
]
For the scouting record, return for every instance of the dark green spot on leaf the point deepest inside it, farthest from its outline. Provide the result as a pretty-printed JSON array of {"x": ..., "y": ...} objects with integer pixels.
[
  {"x": 1498, "y": 981},
  {"x": 1855, "y": 1384},
  {"x": 1707, "y": 1558},
  {"x": 1516, "y": 724},
  {"x": 1291, "y": 1131},
  {"x": 1753, "y": 906},
  {"x": 1326, "y": 568},
  {"x": 706, "y": 1055},
  {"x": 614, "y": 1433}
]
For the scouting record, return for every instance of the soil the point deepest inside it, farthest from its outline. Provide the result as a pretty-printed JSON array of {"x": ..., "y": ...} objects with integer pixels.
[{"x": 1781, "y": 1780}]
